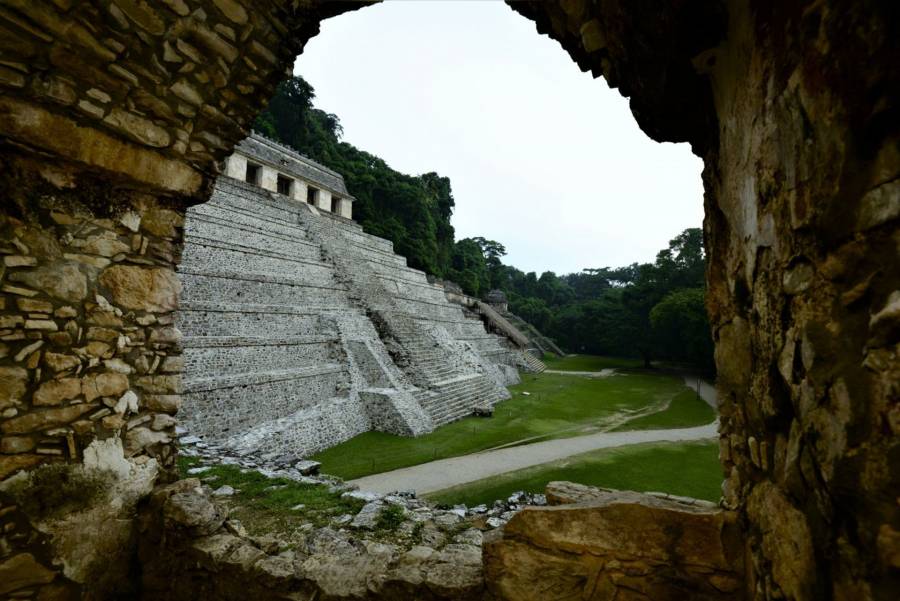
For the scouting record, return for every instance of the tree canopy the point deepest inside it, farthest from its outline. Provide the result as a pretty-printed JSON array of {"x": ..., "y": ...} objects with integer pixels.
[{"x": 651, "y": 310}]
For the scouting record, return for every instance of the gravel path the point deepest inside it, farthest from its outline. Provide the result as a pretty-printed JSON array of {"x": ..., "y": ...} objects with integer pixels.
[
  {"x": 706, "y": 390},
  {"x": 444, "y": 473}
]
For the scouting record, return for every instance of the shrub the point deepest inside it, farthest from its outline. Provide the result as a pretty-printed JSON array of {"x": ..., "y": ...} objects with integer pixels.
[{"x": 390, "y": 518}]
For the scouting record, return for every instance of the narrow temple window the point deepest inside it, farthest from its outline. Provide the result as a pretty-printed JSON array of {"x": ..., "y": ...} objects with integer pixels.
[
  {"x": 253, "y": 172},
  {"x": 312, "y": 195},
  {"x": 335, "y": 204},
  {"x": 285, "y": 185}
]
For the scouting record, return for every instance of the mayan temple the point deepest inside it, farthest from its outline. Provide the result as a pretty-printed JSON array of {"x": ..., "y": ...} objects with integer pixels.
[{"x": 301, "y": 330}]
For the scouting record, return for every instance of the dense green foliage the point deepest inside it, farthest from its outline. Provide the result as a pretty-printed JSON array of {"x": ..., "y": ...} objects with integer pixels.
[
  {"x": 653, "y": 311},
  {"x": 685, "y": 469}
]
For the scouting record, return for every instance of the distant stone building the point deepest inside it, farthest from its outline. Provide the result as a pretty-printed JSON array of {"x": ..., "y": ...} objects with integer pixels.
[
  {"x": 497, "y": 299},
  {"x": 301, "y": 330}
]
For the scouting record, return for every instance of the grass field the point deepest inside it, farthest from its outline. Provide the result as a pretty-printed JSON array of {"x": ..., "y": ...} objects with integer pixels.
[
  {"x": 556, "y": 406},
  {"x": 273, "y": 505},
  {"x": 588, "y": 362},
  {"x": 687, "y": 469},
  {"x": 687, "y": 409}
]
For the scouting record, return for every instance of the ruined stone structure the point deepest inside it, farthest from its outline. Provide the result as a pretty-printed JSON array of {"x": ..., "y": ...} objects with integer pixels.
[
  {"x": 279, "y": 168},
  {"x": 114, "y": 115},
  {"x": 536, "y": 340},
  {"x": 301, "y": 330}
]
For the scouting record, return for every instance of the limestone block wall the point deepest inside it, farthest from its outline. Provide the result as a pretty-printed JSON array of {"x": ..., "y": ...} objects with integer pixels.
[{"x": 90, "y": 369}]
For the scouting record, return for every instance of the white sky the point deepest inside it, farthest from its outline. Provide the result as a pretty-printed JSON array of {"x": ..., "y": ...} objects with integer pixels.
[{"x": 542, "y": 157}]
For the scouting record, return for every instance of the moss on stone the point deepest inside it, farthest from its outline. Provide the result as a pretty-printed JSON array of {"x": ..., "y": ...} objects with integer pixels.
[{"x": 53, "y": 490}]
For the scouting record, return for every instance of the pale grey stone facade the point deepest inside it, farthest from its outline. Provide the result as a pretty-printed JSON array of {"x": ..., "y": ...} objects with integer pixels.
[{"x": 301, "y": 331}]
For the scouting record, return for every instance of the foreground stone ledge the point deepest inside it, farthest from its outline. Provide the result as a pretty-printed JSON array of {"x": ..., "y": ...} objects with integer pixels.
[
  {"x": 615, "y": 545},
  {"x": 189, "y": 549}
]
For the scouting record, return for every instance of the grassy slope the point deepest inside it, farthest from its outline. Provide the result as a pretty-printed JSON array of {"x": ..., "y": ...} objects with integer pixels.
[
  {"x": 588, "y": 362},
  {"x": 558, "y": 406},
  {"x": 687, "y": 469}
]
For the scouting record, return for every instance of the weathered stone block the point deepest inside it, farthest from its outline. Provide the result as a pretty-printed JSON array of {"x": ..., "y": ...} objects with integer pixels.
[
  {"x": 22, "y": 571},
  {"x": 16, "y": 444},
  {"x": 617, "y": 541},
  {"x": 193, "y": 511},
  {"x": 143, "y": 289},
  {"x": 10, "y": 464},
  {"x": 13, "y": 383},
  {"x": 55, "y": 392},
  {"x": 61, "y": 280},
  {"x": 165, "y": 403},
  {"x": 109, "y": 384},
  {"x": 46, "y": 418}
]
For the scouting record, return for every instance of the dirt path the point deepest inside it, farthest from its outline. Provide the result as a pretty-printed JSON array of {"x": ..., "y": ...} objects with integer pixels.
[{"x": 444, "y": 473}]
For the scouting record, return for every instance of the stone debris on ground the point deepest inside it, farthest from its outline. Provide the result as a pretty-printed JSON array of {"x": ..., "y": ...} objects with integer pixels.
[
  {"x": 434, "y": 523},
  {"x": 433, "y": 548}
]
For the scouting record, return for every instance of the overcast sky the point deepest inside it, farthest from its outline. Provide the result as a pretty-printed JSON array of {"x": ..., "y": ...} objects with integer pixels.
[{"x": 542, "y": 157}]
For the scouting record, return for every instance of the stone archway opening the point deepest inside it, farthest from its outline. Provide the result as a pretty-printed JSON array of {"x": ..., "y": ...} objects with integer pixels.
[{"x": 114, "y": 114}]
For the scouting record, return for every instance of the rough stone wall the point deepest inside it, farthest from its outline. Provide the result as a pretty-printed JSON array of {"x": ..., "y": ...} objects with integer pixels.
[
  {"x": 793, "y": 107},
  {"x": 190, "y": 550},
  {"x": 802, "y": 209},
  {"x": 89, "y": 375}
]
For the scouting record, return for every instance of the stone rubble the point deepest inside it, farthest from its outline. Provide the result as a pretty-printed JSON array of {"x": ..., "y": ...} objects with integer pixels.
[
  {"x": 416, "y": 510},
  {"x": 433, "y": 553}
]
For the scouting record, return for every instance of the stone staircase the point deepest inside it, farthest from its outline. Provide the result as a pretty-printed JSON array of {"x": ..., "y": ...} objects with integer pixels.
[
  {"x": 459, "y": 397},
  {"x": 532, "y": 363},
  {"x": 536, "y": 338},
  {"x": 381, "y": 284}
]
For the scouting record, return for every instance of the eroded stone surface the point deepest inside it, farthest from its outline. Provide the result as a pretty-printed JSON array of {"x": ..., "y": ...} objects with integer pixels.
[
  {"x": 800, "y": 217},
  {"x": 616, "y": 542}
]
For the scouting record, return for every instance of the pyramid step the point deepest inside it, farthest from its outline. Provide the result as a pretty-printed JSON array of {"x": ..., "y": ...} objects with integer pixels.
[{"x": 192, "y": 385}]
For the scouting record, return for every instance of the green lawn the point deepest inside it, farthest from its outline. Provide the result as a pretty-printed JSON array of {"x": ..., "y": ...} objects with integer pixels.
[
  {"x": 588, "y": 362},
  {"x": 687, "y": 469},
  {"x": 687, "y": 409},
  {"x": 557, "y": 406}
]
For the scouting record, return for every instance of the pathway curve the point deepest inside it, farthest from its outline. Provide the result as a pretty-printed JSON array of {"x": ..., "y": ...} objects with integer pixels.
[
  {"x": 706, "y": 390},
  {"x": 444, "y": 473}
]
